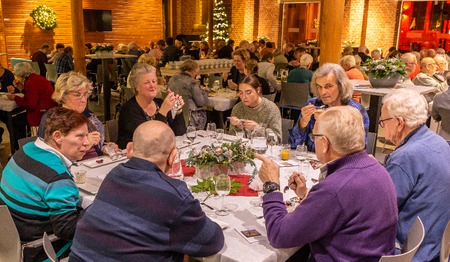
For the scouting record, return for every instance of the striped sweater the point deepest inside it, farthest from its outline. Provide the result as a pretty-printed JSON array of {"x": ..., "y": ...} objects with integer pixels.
[{"x": 40, "y": 192}]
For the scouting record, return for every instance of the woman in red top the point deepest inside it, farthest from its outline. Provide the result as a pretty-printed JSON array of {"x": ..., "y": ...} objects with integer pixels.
[{"x": 37, "y": 92}]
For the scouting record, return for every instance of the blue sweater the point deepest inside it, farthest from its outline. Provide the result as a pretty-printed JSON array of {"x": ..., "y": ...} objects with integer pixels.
[
  {"x": 420, "y": 169},
  {"x": 140, "y": 214},
  {"x": 349, "y": 216},
  {"x": 299, "y": 136}
]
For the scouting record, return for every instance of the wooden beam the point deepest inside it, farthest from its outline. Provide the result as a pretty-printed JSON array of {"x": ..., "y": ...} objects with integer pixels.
[
  {"x": 364, "y": 23},
  {"x": 330, "y": 30},
  {"x": 76, "y": 7}
]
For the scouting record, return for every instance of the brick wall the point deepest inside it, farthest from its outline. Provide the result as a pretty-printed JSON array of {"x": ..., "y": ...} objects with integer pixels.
[
  {"x": 381, "y": 25},
  {"x": 353, "y": 17},
  {"x": 242, "y": 20},
  {"x": 269, "y": 19}
]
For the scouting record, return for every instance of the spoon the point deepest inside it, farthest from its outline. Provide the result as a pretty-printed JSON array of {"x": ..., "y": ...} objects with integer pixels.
[{"x": 286, "y": 188}]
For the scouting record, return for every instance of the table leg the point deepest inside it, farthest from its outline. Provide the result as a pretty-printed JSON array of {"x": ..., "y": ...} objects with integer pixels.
[
  {"x": 374, "y": 113},
  {"x": 106, "y": 91}
]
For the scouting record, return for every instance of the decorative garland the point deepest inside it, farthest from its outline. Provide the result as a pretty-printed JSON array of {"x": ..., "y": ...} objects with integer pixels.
[{"x": 44, "y": 17}]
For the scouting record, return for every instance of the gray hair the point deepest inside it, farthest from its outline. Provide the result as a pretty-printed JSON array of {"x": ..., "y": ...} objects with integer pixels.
[
  {"x": 408, "y": 56},
  {"x": 189, "y": 66},
  {"x": 306, "y": 59},
  {"x": 407, "y": 104},
  {"x": 343, "y": 83},
  {"x": 348, "y": 60},
  {"x": 348, "y": 120},
  {"x": 68, "y": 83},
  {"x": 137, "y": 71},
  {"x": 23, "y": 69}
]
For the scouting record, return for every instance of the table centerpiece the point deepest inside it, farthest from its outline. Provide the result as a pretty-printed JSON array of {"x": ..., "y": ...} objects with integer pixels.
[
  {"x": 226, "y": 158},
  {"x": 103, "y": 50},
  {"x": 384, "y": 72}
]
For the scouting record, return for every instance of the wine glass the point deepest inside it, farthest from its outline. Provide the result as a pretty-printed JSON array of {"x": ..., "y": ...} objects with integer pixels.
[
  {"x": 191, "y": 134},
  {"x": 211, "y": 130},
  {"x": 216, "y": 85},
  {"x": 272, "y": 140},
  {"x": 302, "y": 152},
  {"x": 223, "y": 187},
  {"x": 219, "y": 132},
  {"x": 206, "y": 81}
]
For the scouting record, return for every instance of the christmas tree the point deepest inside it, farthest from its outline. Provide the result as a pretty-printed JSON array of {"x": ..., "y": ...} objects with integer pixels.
[{"x": 220, "y": 23}]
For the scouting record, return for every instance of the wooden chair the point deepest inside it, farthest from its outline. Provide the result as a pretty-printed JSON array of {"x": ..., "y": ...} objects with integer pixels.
[
  {"x": 112, "y": 127},
  {"x": 293, "y": 96},
  {"x": 445, "y": 244},
  {"x": 412, "y": 243}
]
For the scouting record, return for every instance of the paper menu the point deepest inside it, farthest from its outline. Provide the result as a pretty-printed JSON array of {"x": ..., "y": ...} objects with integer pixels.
[{"x": 252, "y": 234}]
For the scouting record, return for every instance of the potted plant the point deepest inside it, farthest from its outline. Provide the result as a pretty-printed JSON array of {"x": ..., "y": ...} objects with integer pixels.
[
  {"x": 103, "y": 50},
  {"x": 384, "y": 72},
  {"x": 227, "y": 158}
]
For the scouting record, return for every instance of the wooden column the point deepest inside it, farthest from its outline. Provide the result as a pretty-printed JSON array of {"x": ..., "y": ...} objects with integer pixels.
[
  {"x": 330, "y": 30},
  {"x": 364, "y": 22},
  {"x": 211, "y": 22},
  {"x": 76, "y": 7}
]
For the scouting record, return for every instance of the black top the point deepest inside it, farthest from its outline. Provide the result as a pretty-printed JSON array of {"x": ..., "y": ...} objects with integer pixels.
[
  {"x": 6, "y": 80},
  {"x": 132, "y": 115},
  {"x": 235, "y": 75},
  {"x": 225, "y": 52}
]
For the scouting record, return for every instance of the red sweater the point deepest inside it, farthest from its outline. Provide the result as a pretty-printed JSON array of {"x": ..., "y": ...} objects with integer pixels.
[{"x": 37, "y": 98}]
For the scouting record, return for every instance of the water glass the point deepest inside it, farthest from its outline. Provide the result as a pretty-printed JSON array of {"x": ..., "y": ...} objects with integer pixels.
[
  {"x": 191, "y": 133},
  {"x": 302, "y": 152},
  {"x": 303, "y": 169},
  {"x": 223, "y": 188},
  {"x": 240, "y": 134},
  {"x": 111, "y": 151},
  {"x": 272, "y": 140},
  {"x": 219, "y": 134},
  {"x": 80, "y": 176},
  {"x": 211, "y": 130}
]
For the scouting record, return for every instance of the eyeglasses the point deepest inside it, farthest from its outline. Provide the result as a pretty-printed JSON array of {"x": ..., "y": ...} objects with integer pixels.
[
  {"x": 314, "y": 136},
  {"x": 381, "y": 121},
  {"x": 80, "y": 96}
]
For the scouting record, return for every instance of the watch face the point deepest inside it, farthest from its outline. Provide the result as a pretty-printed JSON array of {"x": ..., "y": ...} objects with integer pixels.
[{"x": 270, "y": 187}]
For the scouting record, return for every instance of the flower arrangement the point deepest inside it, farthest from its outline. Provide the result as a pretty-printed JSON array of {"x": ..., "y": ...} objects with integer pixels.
[
  {"x": 311, "y": 42},
  {"x": 225, "y": 154},
  {"x": 265, "y": 38},
  {"x": 44, "y": 17},
  {"x": 208, "y": 185},
  {"x": 102, "y": 48},
  {"x": 348, "y": 43},
  {"x": 384, "y": 67}
]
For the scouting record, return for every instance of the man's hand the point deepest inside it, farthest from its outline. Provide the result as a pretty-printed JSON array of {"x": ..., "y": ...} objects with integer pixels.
[
  {"x": 269, "y": 170},
  {"x": 297, "y": 183}
]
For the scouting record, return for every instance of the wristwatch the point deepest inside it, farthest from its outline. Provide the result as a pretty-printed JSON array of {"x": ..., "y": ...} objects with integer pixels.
[{"x": 270, "y": 186}]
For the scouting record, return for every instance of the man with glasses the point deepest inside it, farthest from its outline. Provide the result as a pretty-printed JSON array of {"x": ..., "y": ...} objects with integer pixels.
[
  {"x": 412, "y": 68},
  {"x": 351, "y": 215},
  {"x": 426, "y": 77},
  {"x": 420, "y": 169}
]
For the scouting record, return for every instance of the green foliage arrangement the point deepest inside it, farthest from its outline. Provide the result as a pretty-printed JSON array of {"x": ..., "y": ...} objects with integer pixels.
[
  {"x": 44, "y": 17},
  {"x": 384, "y": 67},
  {"x": 102, "y": 48},
  {"x": 208, "y": 185}
]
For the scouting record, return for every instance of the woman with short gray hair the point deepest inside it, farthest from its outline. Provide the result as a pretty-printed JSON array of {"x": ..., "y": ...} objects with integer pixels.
[
  {"x": 193, "y": 94},
  {"x": 144, "y": 106},
  {"x": 333, "y": 88}
]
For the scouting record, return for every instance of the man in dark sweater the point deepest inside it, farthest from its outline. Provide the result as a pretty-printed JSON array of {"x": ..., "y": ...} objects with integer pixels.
[
  {"x": 41, "y": 58},
  {"x": 351, "y": 214},
  {"x": 141, "y": 214}
]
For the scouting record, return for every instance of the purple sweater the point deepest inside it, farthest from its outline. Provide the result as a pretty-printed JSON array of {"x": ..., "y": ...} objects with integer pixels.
[{"x": 349, "y": 216}]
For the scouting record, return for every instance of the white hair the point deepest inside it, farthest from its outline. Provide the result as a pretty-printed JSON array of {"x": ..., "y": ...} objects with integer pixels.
[
  {"x": 407, "y": 104},
  {"x": 23, "y": 69},
  {"x": 306, "y": 59},
  {"x": 348, "y": 120}
]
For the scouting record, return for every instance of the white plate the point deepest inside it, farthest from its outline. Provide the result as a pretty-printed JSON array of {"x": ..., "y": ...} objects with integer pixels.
[{"x": 101, "y": 161}]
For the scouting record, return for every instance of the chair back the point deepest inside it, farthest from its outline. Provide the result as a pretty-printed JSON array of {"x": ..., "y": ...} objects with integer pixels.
[
  {"x": 49, "y": 250},
  {"x": 280, "y": 66},
  {"x": 112, "y": 127},
  {"x": 26, "y": 140},
  {"x": 286, "y": 124},
  {"x": 35, "y": 67},
  {"x": 271, "y": 97},
  {"x": 445, "y": 245},
  {"x": 15, "y": 60},
  {"x": 294, "y": 95},
  {"x": 371, "y": 143},
  {"x": 412, "y": 243},
  {"x": 52, "y": 74},
  {"x": 10, "y": 247}
]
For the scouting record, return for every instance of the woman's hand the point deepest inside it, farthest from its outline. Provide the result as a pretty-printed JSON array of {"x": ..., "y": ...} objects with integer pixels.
[
  {"x": 236, "y": 122},
  {"x": 307, "y": 112},
  {"x": 10, "y": 96},
  {"x": 232, "y": 85},
  {"x": 297, "y": 183},
  {"x": 168, "y": 103},
  {"x": 94, "y": 138},
  {"x": 113, "y": 145},
  {"x": 250, "y": 124},
  {"x": 11, "y": 89}
]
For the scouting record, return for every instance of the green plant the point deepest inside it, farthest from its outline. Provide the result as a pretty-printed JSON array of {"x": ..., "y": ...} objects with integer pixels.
[
  {"x": 44, "y": 17},
  {"x": 381, "y": 68},
  {"x": 208, "y": 185},
  {"x": 102, "y": 48}
]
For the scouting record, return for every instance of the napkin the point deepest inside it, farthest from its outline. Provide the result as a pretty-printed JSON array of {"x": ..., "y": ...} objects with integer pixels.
[
  {"x": 245, "y": 190},
  {"x": 221, "y": 224}
]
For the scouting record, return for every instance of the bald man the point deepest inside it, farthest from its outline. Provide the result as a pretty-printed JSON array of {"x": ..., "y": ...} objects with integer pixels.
[{"x": 140, "y": 214}]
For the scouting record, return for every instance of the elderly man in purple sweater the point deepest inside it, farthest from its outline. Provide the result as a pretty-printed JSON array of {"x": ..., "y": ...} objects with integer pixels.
[{"x": 351, "y": 215}]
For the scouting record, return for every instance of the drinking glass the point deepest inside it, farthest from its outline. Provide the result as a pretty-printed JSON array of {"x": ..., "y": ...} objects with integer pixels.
[
  {"x": 206, "y": 81},
  {"x": 211, "y": 130},
  {"x": 216, "y": 85},
  {"x": 223, "y": 187},
  {"x": 191, "y": 134},
  {"x": 176, "y": 171},
  {"x": 219, "y": 133},
  {"x": 303, "y": 169},
  {"x": 285, "y": 151},
  {"x": 259, "y": 140},
  {"x": 302, "y": 152},
  {"x": 240, "y": 134},
  {"x": 111, "y": 152},
  {"x": 272, "y": 140}
]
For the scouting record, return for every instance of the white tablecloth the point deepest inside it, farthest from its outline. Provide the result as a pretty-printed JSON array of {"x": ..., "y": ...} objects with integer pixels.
[
  {"x": 223, "y": 101},
  {"x": 6, "y": 104},
  {"x": 245, "y": 215}
]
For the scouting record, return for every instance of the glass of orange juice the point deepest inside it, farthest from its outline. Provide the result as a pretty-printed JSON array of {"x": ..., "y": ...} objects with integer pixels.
[{"x": 285, "y": 151}]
